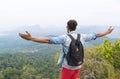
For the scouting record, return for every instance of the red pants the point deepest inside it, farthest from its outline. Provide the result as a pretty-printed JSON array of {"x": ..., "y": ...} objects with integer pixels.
[{"x": 69, "y": 74}]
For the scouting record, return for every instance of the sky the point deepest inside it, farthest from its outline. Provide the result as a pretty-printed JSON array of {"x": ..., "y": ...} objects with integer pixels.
[{"x": 17, "y": 13}]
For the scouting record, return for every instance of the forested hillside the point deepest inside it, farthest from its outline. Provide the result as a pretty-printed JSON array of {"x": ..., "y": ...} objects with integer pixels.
[{"x": 101, "y": 62}]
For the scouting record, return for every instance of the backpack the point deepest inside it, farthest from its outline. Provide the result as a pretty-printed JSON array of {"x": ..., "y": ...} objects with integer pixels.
[{"x": 75, "y": 55}]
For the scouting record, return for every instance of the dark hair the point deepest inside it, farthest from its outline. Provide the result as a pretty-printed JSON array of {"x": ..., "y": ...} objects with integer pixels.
[{"x": 71, "y": 24}]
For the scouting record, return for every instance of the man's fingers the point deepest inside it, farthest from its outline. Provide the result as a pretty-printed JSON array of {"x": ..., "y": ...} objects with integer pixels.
[
  {"x": 20, "y": 34},
  {"x": 28, "y": 33},
  {"x": 111, "y": 28}
]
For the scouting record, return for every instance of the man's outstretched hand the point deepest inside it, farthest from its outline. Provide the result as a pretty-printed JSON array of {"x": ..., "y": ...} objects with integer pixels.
[
  {"x": 26, "y": 36},
  {"x": 110, "y": 29}
]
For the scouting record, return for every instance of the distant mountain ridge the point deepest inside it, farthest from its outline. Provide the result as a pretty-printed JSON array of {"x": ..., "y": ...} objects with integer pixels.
[{"x": 12, "y": 39}]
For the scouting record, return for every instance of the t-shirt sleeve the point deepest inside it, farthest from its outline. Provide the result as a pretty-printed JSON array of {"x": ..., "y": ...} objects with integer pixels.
[
  {"x": 57, "y": 39},
  {"x": 88, "y": 37}
]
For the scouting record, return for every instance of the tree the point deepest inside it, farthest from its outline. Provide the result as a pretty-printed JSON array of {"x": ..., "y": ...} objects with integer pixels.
[
  {"x": 28, "y": 72},
  {"x": 11, "y": 73},
  {"x": 96, "y": 66},
  {"x": 116, "y": 55}
]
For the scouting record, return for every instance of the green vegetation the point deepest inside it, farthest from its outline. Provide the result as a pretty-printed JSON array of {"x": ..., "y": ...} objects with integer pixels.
[
  {"x": 101, "y": 62},
  {"x": 27, "y": 66}
]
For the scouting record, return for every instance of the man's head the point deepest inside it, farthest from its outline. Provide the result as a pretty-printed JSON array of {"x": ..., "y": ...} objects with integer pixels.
[{"x": 71, "y": 25}]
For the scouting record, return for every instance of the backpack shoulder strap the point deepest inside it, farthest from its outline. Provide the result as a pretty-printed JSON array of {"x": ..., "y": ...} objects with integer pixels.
[
  {"x": 71, "y": 36},
  {"x": 78, "y": 37}
]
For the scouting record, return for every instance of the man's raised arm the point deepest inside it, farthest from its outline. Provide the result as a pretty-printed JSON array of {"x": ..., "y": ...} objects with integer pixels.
[
  {"x": 28, "y": 36},
  {"x": 108, "y": 31}
]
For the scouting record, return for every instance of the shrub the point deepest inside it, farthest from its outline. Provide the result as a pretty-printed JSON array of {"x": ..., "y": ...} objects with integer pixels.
[{"x": 95, "y": 66}]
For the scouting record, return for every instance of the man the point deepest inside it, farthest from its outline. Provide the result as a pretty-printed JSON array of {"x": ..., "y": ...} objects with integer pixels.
[{"x": 67, "y": 71}]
